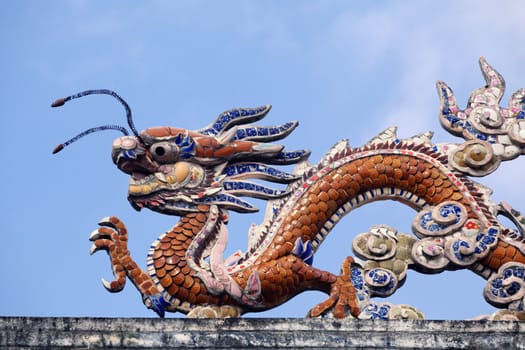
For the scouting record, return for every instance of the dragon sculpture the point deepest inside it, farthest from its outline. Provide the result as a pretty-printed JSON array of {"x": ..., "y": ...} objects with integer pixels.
[{"x": 201, "y": 175}]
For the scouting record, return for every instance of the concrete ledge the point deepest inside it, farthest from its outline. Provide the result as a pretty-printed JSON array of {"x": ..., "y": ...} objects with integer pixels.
[{"x": 256, "y": 333}]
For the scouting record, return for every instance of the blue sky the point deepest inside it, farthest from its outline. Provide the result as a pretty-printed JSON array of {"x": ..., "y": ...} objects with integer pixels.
[{"x": 343, "y": 69}]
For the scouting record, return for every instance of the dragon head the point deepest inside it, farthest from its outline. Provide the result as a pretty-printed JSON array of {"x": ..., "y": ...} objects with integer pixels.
[{"x": 173, "y": 170}]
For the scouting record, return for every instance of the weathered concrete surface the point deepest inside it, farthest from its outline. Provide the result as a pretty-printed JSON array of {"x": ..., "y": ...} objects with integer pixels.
[{"x": 256, "y": 333}]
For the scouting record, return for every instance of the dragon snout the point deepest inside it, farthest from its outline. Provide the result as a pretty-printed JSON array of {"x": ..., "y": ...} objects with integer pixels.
[
  {"x": 130, "y": 156},
  {"x": 126, "y": 147}
]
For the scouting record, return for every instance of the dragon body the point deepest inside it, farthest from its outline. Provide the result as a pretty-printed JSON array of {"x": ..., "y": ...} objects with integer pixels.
[{"x": 201, "y": 175}]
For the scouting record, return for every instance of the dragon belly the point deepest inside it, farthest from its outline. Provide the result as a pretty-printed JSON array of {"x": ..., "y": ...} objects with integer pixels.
[{"x": 169, "y": 269}]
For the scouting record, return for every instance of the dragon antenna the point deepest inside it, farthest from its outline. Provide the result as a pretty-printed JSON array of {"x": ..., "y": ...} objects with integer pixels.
[
  {"x": 62, "y": 101},
  {"x": 61, "y": 146}
]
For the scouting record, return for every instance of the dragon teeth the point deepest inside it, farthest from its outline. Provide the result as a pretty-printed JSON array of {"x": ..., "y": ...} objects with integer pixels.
[{"x": 161, "y": 177}]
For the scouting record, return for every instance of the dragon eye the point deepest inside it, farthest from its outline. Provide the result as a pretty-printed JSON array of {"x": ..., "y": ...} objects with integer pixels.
[
  {"x": 164, "y": 152},
  {"x": 160, "y": 151}
]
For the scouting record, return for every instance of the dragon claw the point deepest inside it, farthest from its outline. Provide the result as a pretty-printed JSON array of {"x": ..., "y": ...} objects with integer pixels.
[
  {"x": 342, "y": 299},
  {"x": 105, "y": 221},
  {"x": 97, "y": 234},
  {"x": 93, "y": 249},
  {"x": 112, "y": 222},
  {"x": 106, "y": 284},
  {"x": 113, "y": 287}
]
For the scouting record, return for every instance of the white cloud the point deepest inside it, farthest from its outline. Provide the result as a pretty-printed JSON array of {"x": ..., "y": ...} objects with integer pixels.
[
  {"x": 422, "y": 49},
  {"x": 367, "y": 37}
]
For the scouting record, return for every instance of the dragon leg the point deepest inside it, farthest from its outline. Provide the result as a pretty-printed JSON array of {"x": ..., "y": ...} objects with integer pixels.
[
  {"x": 289, "y": 275},
  {"x": 112, "y": 237}
]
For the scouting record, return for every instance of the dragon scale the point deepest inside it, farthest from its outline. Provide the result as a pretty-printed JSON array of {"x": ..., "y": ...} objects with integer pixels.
[{"x": 201, "y": 175}]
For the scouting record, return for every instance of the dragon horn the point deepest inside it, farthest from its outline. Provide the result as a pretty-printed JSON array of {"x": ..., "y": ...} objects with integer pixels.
[
  {"x": 61, "y": 146},
  {"x": 61, "y": 101}
]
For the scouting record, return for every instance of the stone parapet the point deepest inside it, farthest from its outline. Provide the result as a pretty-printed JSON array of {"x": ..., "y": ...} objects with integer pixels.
[{"x": 256, "y": 333}]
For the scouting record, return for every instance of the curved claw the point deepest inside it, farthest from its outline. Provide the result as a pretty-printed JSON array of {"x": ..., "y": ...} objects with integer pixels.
[
  {"x": 112, "y": 287},
  {"x": 100, "y": 233},
  {"x": 94, "y": 235},
  {"x": 106, "y": 284},
  {"x": 106, "y": 221},
  {"x": 93, "y": 249},
  {"x": 114, "y": 223},
  {"x": 101, "y": 244}
]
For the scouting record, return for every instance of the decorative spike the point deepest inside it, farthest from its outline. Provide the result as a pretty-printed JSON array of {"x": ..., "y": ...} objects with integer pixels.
[
  {"x": 428, "y": 136},
  {"x": 333, "y": 151},
  {"x": 251, "y": 189},
  {"x": 265, "y": 133},
  {"x": 230, "y": 202},
  {"x": 289, "y": 157},
  {"x": 233, "y": 117},
  {"x": 422, "y": 138},
  {"x": 228, "y": 136},
  {"x": 267, "y": 148},
  {"x": 386, "y": 135},
  {"x": 246, "y": 170}
]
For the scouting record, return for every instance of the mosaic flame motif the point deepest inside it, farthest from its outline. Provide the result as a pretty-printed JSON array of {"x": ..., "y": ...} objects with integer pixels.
[{"x": 200, "y": 175}]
